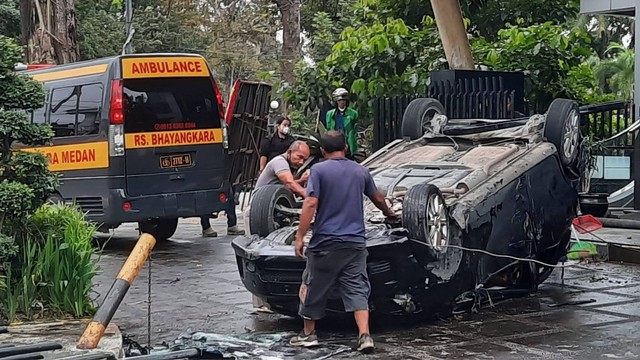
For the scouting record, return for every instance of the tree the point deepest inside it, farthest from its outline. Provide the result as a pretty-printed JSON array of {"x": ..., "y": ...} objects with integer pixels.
[
  {"x": 385, "y": 58},
  {"x": 290, "y": 19},
  {"x": 10, "y": 18},
  {"x": 552, "y": 58},
  {"x": 101, "y": 29},
  {"x": 617, "y": 73},
  {"x": 25, "y": 181},
  {"x": 50, "y": 31}
]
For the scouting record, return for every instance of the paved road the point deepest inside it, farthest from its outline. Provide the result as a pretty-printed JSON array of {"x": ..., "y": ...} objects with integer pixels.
[{"x": 195, "y": 287}]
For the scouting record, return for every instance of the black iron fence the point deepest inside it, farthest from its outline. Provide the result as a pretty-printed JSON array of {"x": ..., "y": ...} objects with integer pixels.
[{"x": 464, "y": 94}]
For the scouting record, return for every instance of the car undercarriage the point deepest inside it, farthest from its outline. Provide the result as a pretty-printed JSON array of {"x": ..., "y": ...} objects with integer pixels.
[{"x": 486, "y": 208}]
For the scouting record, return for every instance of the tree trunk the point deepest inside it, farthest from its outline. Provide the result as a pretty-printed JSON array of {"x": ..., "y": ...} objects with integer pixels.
[
  {"x": 50, "y": 31},
  {"x": 453, "y": 34},
  {"x": 290, "y": 17}
]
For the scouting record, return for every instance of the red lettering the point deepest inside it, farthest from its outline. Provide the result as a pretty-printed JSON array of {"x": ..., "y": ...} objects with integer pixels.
[
  {"x": 206, "y": 136},
  {"x": 135, "y": 69},
  {"x": 192, "y": 67},
  {"x": 144, "y": 68},
  {"x": 183, "y": 67},
  {"x": 137, "y": 140},
  {"x": 199, "y": 66},
  {"x": 176, "y": 67},
  {"x": 153, "y": 67},
  {"x": 162, "y": 67}
]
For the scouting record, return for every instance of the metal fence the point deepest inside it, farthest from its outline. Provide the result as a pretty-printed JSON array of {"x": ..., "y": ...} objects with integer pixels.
[{"x": 388, "y": 111}]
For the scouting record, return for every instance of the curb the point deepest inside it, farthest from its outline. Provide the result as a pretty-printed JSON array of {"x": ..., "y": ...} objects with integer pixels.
[{"x": 66, "y": 333}]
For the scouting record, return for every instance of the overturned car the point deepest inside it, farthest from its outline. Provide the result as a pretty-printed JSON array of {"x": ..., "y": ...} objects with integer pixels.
[{"x": 478, "y": 199}]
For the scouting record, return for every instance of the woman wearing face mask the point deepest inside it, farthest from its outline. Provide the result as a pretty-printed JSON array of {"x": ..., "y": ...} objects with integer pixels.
[{"x": 277, "y": 143}]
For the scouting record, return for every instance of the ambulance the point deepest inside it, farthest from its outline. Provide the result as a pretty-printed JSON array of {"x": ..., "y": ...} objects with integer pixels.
[{"x": 138, "y": 138}]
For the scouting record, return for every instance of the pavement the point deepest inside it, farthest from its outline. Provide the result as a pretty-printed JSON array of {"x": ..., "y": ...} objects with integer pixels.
[
  {"x": 66, "y": 333},
  {"x": 195, "y": 287}
]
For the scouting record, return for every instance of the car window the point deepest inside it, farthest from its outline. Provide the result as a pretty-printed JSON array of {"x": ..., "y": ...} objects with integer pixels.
[
  {"x": 75, "y": 110},
  {"x": 170, "y": 104}
]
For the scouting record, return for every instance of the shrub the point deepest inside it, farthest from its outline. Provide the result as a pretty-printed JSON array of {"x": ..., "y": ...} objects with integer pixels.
[{"x": 55, "y": 267}]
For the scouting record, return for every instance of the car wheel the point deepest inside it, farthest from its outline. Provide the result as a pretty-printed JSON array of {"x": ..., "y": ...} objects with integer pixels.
[
  {"x": 161, "y": 229},
  {"x": 426, "y": 217},
  {"x": 264, "y": 215},
  {"x": 417, "y": 117},
  {"x": 54, "y": 199},
  {"x": 562, "y": 129}
]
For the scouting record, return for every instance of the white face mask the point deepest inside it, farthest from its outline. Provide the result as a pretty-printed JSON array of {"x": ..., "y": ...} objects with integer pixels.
[{"x": 285, "y": 130}]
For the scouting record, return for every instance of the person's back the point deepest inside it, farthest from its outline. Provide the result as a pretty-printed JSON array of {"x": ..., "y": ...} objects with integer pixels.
[{"x": 340, "y": 185}]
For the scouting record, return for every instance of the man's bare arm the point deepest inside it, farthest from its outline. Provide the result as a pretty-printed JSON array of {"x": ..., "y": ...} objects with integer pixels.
[
  {"x": 286, "y": 178},
  {"x": 380, "y": 203},
  {"x": 308, "y": 212},
  {"x": 263, "y": 163}
]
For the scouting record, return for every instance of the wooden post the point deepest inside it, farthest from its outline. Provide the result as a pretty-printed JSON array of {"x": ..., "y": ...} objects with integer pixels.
[{"x": 453, "y": 34}]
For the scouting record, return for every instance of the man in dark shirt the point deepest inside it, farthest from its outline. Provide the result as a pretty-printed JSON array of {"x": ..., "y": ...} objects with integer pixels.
[
  {"x": 336, "y": 254},
  {"x": 277, "y": 143}
]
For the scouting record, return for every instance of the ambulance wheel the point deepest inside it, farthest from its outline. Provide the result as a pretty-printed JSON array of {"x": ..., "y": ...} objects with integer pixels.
[{"x": 161, "y": 229}]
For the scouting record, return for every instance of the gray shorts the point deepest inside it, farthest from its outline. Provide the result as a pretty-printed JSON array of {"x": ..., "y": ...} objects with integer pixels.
[{"x": 344, "y": 267}]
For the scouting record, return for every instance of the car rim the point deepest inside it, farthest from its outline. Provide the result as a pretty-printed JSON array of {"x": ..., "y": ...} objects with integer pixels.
[
  {"x": 437, "y": 222},
  {"x": 570, "y": 135},
  {"x": 426, "y": 119}
]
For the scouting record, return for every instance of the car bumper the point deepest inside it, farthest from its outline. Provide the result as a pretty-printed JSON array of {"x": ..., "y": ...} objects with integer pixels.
[
  {"x": 171, "y": 205},
  {"x": 270, "y": 270}
]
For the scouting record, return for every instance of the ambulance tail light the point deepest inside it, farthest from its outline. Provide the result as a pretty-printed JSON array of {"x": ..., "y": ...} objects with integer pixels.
[
  {"x": 116, "y": 118},
  {"x": 225, "y": 137}
]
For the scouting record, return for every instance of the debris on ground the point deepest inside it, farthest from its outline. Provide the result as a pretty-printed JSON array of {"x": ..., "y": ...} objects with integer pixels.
[{"x": 264, "y": 346}]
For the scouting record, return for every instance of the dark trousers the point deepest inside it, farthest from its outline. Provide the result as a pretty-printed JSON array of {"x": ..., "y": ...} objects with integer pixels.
[{"x": 232, "y": 218}]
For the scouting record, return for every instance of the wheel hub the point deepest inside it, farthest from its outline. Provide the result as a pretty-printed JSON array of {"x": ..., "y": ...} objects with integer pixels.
[
  {"x": 437, "y": 223},
  {"x": 570, "y": 135}
]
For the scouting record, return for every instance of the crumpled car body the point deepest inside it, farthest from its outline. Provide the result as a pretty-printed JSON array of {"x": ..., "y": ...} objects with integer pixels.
[{"x": 477, "y": 201}]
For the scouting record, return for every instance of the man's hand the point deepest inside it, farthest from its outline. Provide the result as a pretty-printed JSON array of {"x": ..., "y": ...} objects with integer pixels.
[
  {"x": 299, "y": 246},
  {"x": 392, "y": 217}
]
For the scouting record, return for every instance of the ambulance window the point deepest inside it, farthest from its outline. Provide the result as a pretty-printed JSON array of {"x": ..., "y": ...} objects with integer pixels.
[
  {"x": 38, "y": 116},
  {"x": 64, "y": 103},
  {"x": 76, "y": 110},
  {"x": 89, "y": 109},
  {"x": 166, "y": 104}
]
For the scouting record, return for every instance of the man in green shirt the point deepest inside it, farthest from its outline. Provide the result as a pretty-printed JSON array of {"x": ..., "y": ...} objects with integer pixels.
[{"x": 342, "y": 118}]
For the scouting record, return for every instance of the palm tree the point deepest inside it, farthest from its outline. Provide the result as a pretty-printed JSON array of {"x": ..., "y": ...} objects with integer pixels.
[{"x": 618, "y": 70}]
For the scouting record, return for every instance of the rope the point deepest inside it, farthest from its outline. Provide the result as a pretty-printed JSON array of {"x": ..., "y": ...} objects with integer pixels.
[
  {"x": 501, "y": 256},
  {"x": 149, "y": 305}
]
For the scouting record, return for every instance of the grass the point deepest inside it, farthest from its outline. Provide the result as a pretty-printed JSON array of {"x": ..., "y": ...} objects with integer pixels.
[{"x": 56, "y": 268}]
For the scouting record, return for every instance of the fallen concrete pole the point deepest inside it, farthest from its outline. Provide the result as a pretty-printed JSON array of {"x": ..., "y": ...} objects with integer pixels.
[
  {"x": 28, "y": 349},
  {"x": 95, "y": 330}
]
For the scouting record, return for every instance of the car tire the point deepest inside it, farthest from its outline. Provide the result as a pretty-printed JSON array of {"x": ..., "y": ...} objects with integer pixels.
[
  {"x": 262, "y": 215},
  {"x": 562, "y": 129},
  {"x": 418, "y": 115},
  {"x": 417, "y": 203},
  {"x": 161, "y": 228}
]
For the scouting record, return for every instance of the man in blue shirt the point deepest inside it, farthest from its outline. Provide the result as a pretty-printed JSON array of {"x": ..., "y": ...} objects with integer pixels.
[{"x": 337, "y": 253}]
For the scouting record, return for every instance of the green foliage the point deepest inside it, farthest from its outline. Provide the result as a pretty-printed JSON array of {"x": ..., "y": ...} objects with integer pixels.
[
  {"x": 32, "y": 169},
  {"x": 617, "y": 72},
  {"x": 10, "y": 18},
  {"x": 55, "y": 268},
  {"x": 101, "y": 29},
  {"x": 547, "y": 53},
  {"x": 25, "y": 183},
  {"x": 383, "y": 58}
]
